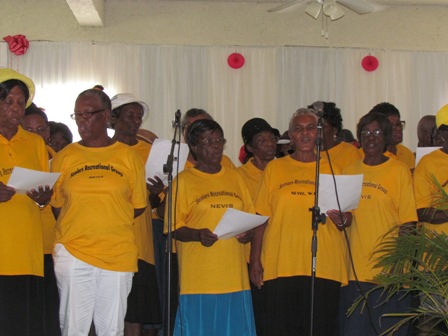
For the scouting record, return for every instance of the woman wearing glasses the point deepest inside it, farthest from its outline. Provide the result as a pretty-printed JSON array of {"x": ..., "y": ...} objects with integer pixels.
[
  {"x": 395, "y": 149},
  {"x": 215, "y": 294},
  {"x": 387, "y": 200},
  {"x": 100, "y": 192},
  {"x": 190, "y": 117}
]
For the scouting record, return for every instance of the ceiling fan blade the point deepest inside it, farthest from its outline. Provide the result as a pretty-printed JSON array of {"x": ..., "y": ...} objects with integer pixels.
[
  {"x": 314, "y": 9},
  {"x": 332, "y": 10},
  {"x": 286, "y": 5},
  {"x": 358, "y": 6}
]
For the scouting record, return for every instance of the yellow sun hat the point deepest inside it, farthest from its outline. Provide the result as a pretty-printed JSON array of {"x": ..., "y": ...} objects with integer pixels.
[
  {"x": 442, "y": 116},
  {"x": 8, "y": 74}
]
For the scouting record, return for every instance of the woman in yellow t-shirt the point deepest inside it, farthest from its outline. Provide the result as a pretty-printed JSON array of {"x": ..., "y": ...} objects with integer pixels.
[
  {"x": 387, "y": 200},
  {"x": 21, "y": 253},
  {"x": 281, "y": 256},
  {"x": 143, "y": 301},
  {"x": 99, "y": 193},
  {"x": 36, "y": 121},
  {"x": 215, "y": 294}
]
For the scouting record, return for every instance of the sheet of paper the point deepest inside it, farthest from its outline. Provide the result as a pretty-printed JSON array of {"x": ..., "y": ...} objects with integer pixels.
[
  {"x": 23, "y": 179},
  {"x": 422, "y": 151},
  {"x": 158, "y": 157},
  {"x": 349, "y": 192},
  {"x": 234, "y": 222}
]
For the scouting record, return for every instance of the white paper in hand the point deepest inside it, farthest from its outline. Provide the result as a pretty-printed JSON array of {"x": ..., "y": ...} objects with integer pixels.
[
  {"x": 158, "y": 157},
  {"x": 349, "y": 192},
  {"x": 234, "y": 222},
  {"x": 23, "y": 179}
]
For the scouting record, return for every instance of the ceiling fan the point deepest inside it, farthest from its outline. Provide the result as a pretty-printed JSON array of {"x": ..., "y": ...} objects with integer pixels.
[{"x": 329, "y": 8}]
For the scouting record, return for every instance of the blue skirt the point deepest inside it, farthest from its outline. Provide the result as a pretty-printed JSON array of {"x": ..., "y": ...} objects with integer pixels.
[{"x": 215, "y": 315}]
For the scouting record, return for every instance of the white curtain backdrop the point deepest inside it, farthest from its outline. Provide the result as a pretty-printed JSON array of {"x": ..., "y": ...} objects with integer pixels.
[{"x": 273, "y": 83}]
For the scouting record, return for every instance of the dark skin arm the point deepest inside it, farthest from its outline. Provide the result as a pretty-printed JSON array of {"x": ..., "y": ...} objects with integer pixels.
[
  {"x": 155, "y": 186},
  {"x": 56, "y": 212},
  {"x": 41, "y": 196},
  {"x": 6, "y": 193},
  {"x": 245, "y": 237},
  {"x": 138, "y": 212},
  {"x": 255, "y": 267},
  {"x": 431, "y": 215},
  {"x": 204, "y": 236},
  {"x": 341, "y": 220},
  {"x": 406, "y": 228}
]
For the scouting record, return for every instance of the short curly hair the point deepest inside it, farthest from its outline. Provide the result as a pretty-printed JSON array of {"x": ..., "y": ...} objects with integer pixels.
[
  {"x": 386, "y": 109},
  {"x": 332, "y": 114}
]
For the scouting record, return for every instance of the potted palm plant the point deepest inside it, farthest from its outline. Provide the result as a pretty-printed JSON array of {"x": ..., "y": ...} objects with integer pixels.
[{"x": 415, "y": 262}]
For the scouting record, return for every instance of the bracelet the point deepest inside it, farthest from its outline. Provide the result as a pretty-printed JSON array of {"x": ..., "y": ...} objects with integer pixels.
[
  {"x": 345, "y": 221},
  {"x": 42, "y": 206}
]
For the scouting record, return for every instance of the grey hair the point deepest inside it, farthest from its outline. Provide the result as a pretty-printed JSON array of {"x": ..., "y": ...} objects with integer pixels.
[{"x": 302, "y": 112}]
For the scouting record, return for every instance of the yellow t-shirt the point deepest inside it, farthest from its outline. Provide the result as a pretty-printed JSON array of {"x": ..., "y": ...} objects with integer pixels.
[
  {"x": 286, "y": 194},
  {"x": 387, "y": 200},
  {"x": 143, "y": 223},
  {"x": 343, "y": 154},
  {"x": 97, "y": 192},
  {"x": 201, "y": 202},
  {"x": 21, "y": 250},
  {"x": 433, "y": 165},
  {"x": 403, "y": 154},
  {"x": 51, "y": 152},
  {"x": 251, "y": 176}
]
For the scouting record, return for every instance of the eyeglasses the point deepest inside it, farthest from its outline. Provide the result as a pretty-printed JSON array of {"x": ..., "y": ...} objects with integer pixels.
[
  {"x": 401, "y": 124},
  {"x": 375, "y": 133},
  {"x": 84, "y": 115},
  {"x": 212, "y": 141},
  {"x": 267, "y": 140}
]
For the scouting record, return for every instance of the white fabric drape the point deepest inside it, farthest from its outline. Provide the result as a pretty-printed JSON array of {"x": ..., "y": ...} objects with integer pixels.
[{"x": 273, "y": 83}]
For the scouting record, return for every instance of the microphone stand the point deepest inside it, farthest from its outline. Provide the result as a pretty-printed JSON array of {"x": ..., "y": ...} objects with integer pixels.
[
  {"x": 168, "y": 169},
  {"x": 317, "y": 218}
]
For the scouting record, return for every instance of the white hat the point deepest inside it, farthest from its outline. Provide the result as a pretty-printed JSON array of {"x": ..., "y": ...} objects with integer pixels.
[{"x": 128, "y": 98}]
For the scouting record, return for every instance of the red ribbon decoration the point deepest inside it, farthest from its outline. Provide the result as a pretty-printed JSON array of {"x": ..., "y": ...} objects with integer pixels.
[
  {"x": 235, "y": 60},
  {"x": 18, "y": 44},
  {"x": 370, "y": 63}
]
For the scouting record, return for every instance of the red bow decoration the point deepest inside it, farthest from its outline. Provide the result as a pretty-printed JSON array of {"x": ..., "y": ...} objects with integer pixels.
[{"x": 18, "y": 44}]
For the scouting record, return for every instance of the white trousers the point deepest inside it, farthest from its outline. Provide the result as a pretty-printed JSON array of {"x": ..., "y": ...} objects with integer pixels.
[{"x": 90, "y": 293}]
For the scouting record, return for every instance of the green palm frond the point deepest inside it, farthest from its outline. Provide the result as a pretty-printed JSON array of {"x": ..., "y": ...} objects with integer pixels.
[{"x": 415, "y": 261}]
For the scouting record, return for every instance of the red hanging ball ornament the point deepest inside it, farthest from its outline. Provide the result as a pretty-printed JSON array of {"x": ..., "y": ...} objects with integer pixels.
[
  {"x": 370, "y": 63},
  {"x": 235, "y": 60}
]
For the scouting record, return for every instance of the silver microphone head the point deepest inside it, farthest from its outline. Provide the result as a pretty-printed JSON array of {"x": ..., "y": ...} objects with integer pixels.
[{"x": 318, "y": 106}]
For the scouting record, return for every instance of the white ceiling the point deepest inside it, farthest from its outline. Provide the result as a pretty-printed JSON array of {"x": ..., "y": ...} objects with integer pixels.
[{"x": 91, "y": 12}]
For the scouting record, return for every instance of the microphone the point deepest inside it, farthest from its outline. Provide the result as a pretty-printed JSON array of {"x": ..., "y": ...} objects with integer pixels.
[
  {"x": 176, "y": 121},
  {"x": 319, "y": 108}
]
